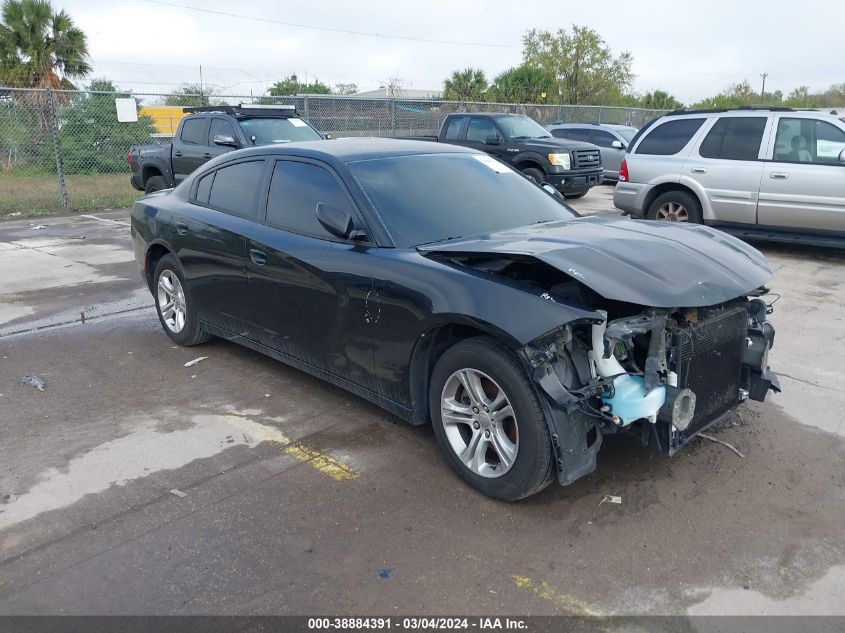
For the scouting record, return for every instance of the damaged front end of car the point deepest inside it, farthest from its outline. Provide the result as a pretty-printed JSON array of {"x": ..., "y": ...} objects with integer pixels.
[
  {"x": 638, "y": 350},
  {"x": 661, "y": 374}
]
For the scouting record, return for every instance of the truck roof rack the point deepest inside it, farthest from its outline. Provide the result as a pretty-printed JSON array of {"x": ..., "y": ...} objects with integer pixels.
[{"x": 246, "y": 110}]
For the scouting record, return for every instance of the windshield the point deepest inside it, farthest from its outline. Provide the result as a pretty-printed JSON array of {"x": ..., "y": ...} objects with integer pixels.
[
  {"x": 626, "y": 132},
  {"x": 522, "y": 127},
  {"x": 434, "y": 197},
  {"x": 287, "y": 130}
]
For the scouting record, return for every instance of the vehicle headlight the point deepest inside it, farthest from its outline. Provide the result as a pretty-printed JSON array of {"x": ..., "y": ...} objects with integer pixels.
[{"x": 561, "y": 160}]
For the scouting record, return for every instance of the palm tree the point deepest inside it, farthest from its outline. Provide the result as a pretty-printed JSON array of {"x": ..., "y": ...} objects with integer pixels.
[
  {"x": 40, "y": 48},
  {"x": 468, "y": 84}
]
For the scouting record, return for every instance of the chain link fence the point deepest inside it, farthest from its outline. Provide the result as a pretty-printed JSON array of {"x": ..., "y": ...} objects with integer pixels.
[{"x": 67, "y": 150}]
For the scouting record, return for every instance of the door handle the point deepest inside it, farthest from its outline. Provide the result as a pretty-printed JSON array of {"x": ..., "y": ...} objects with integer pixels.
[
  {"x": 259, "y": 258},
  {"x": 181, "y": 228},
  {"x": 778, "y": 175},
  {"x": 177, "y": 153},
  {"x": 698, "y": 170}
]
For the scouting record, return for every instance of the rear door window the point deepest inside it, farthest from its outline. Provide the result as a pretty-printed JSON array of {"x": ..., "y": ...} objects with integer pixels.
[
  {"x": 734, "y": 138},
  {"x": 295, "y": 191},
  {"x": 670, "y": 137},
  {"x": 235, "y": 188},
  {"x": 580, "y": 134},
  {"x": 454, "y": 129},
  {"x": 193, "y": 131}
]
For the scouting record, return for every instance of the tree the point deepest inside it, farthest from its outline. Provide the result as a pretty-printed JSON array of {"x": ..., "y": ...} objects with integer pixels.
[
  {"x": 346, "y": 89},
  {"x": 659, "y": 100},
  {"x": 92, "y": 139},
  {"x": 393, "y": 86},
  {"x": 523, "y": 84},
  {"x": 190, "y": 95},
  {"x": 291, "y": 86},
  {"x": 735, "y": 95},
  {"x": 468, "y": 84},
  {"x": 584, "y": 68},
  {"x": 40, "y": 48}
]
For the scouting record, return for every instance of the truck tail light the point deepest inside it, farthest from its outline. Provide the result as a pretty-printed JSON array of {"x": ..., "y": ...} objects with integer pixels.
[
  {"x": 129, "y": 158},
  {"x": 623, "y": 171}
]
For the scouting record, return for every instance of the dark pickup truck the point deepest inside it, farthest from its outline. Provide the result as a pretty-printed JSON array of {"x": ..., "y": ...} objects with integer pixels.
[
  {"x": 208, "y": 132},
  {"x": 571, "y": 167}
]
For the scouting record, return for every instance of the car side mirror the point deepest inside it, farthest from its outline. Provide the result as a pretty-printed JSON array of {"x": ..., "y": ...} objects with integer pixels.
[
  {"x": 227, "y": 141},
  {"x": 328, "y": 137},
  {"x": 842, "y": 156},
  {"x": 338, "y": 222},
  {"x": 493, "y": 139},
  {"x": 617, "y": 145}
]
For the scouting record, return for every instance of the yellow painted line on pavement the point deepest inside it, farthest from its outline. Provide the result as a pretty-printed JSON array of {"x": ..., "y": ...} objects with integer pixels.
[
  {"x": 544, "y": 590},
  {"x": 257, "y": 433},
  {"x": 326, "y": 464}
]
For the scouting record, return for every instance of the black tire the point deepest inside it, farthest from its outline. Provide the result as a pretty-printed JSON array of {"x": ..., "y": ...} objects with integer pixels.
[
  {"x": 533, "y": 467},
  {"x": 535, "y": 174},
  {"x": 686, "y": 201},
  {"x": 155, "y": 183},
  {"x": 192, "y": 332},
  {"x": 575, "y": 196}
]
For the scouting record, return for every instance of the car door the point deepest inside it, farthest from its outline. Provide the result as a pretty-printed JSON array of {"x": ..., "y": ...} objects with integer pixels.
[
  {"x": 220, "y": 127},
  {"x": 611, "y": 157},
  {"x": 211, "y": 244},
  {"x": 727, "y": 165},
  {"x": 477, "y": 132},
  {"x": 309, "y": 289},
  {"x": 803, "y": 184},
  {"x": 189, "y": 149}
]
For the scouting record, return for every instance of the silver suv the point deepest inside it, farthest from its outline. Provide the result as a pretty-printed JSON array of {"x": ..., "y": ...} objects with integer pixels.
[{"x": 771, "y": 173}]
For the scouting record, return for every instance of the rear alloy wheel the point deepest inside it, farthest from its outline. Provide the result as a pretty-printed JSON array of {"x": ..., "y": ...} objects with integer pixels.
[
  {"x": 173, "y": 303},
  {"x": 488, "y": 421},
  {"x": 675, "y": 206}
]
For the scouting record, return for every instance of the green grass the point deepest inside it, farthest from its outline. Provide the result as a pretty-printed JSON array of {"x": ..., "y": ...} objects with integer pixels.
[{"x": 34, "y": 195}]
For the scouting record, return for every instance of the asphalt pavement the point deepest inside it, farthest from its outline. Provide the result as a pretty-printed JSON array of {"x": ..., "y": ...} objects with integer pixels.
[{"x": 134, "y": 484}]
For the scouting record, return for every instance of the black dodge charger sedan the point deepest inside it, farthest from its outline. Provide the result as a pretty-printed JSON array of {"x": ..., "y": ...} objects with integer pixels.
[{"x": 438, "y": 283}]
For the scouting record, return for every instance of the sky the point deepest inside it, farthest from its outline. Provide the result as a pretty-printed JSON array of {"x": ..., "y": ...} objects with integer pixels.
[{"x": 690, "y": 49}]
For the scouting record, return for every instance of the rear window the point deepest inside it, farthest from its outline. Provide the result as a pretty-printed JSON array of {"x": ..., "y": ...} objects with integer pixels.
[
  {"x": 235, "y": 188},
  {"x": 734, "y": 138},
  {"x": 670, "y": 137}
]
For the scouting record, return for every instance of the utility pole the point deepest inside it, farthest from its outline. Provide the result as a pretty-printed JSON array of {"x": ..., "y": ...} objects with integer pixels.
[
  {"x": 763, "y": 89},
  {"x": 201, "y": 99}
]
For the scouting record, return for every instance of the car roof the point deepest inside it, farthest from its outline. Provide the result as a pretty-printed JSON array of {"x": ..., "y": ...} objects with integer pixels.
[{"x": 353, "y": 149}]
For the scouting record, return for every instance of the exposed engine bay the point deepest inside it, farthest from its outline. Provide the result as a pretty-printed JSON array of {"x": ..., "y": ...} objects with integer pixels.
[{"x": 662, "y": 374}]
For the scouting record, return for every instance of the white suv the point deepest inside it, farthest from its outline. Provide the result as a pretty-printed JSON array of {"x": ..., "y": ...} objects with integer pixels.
[{"x": 770, "y": 173}]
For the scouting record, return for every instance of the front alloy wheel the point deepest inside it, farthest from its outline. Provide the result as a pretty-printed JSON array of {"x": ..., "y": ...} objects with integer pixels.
[{"x": 479, "y": 423}]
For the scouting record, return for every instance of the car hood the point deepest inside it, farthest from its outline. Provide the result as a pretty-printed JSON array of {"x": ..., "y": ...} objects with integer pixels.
[
  {"x": 657, "y": 264},
  {"x": 553, "y": 144}
]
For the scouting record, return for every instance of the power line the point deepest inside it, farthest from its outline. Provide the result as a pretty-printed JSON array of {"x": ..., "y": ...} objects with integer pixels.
[{"x": 328, "y": 28}]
